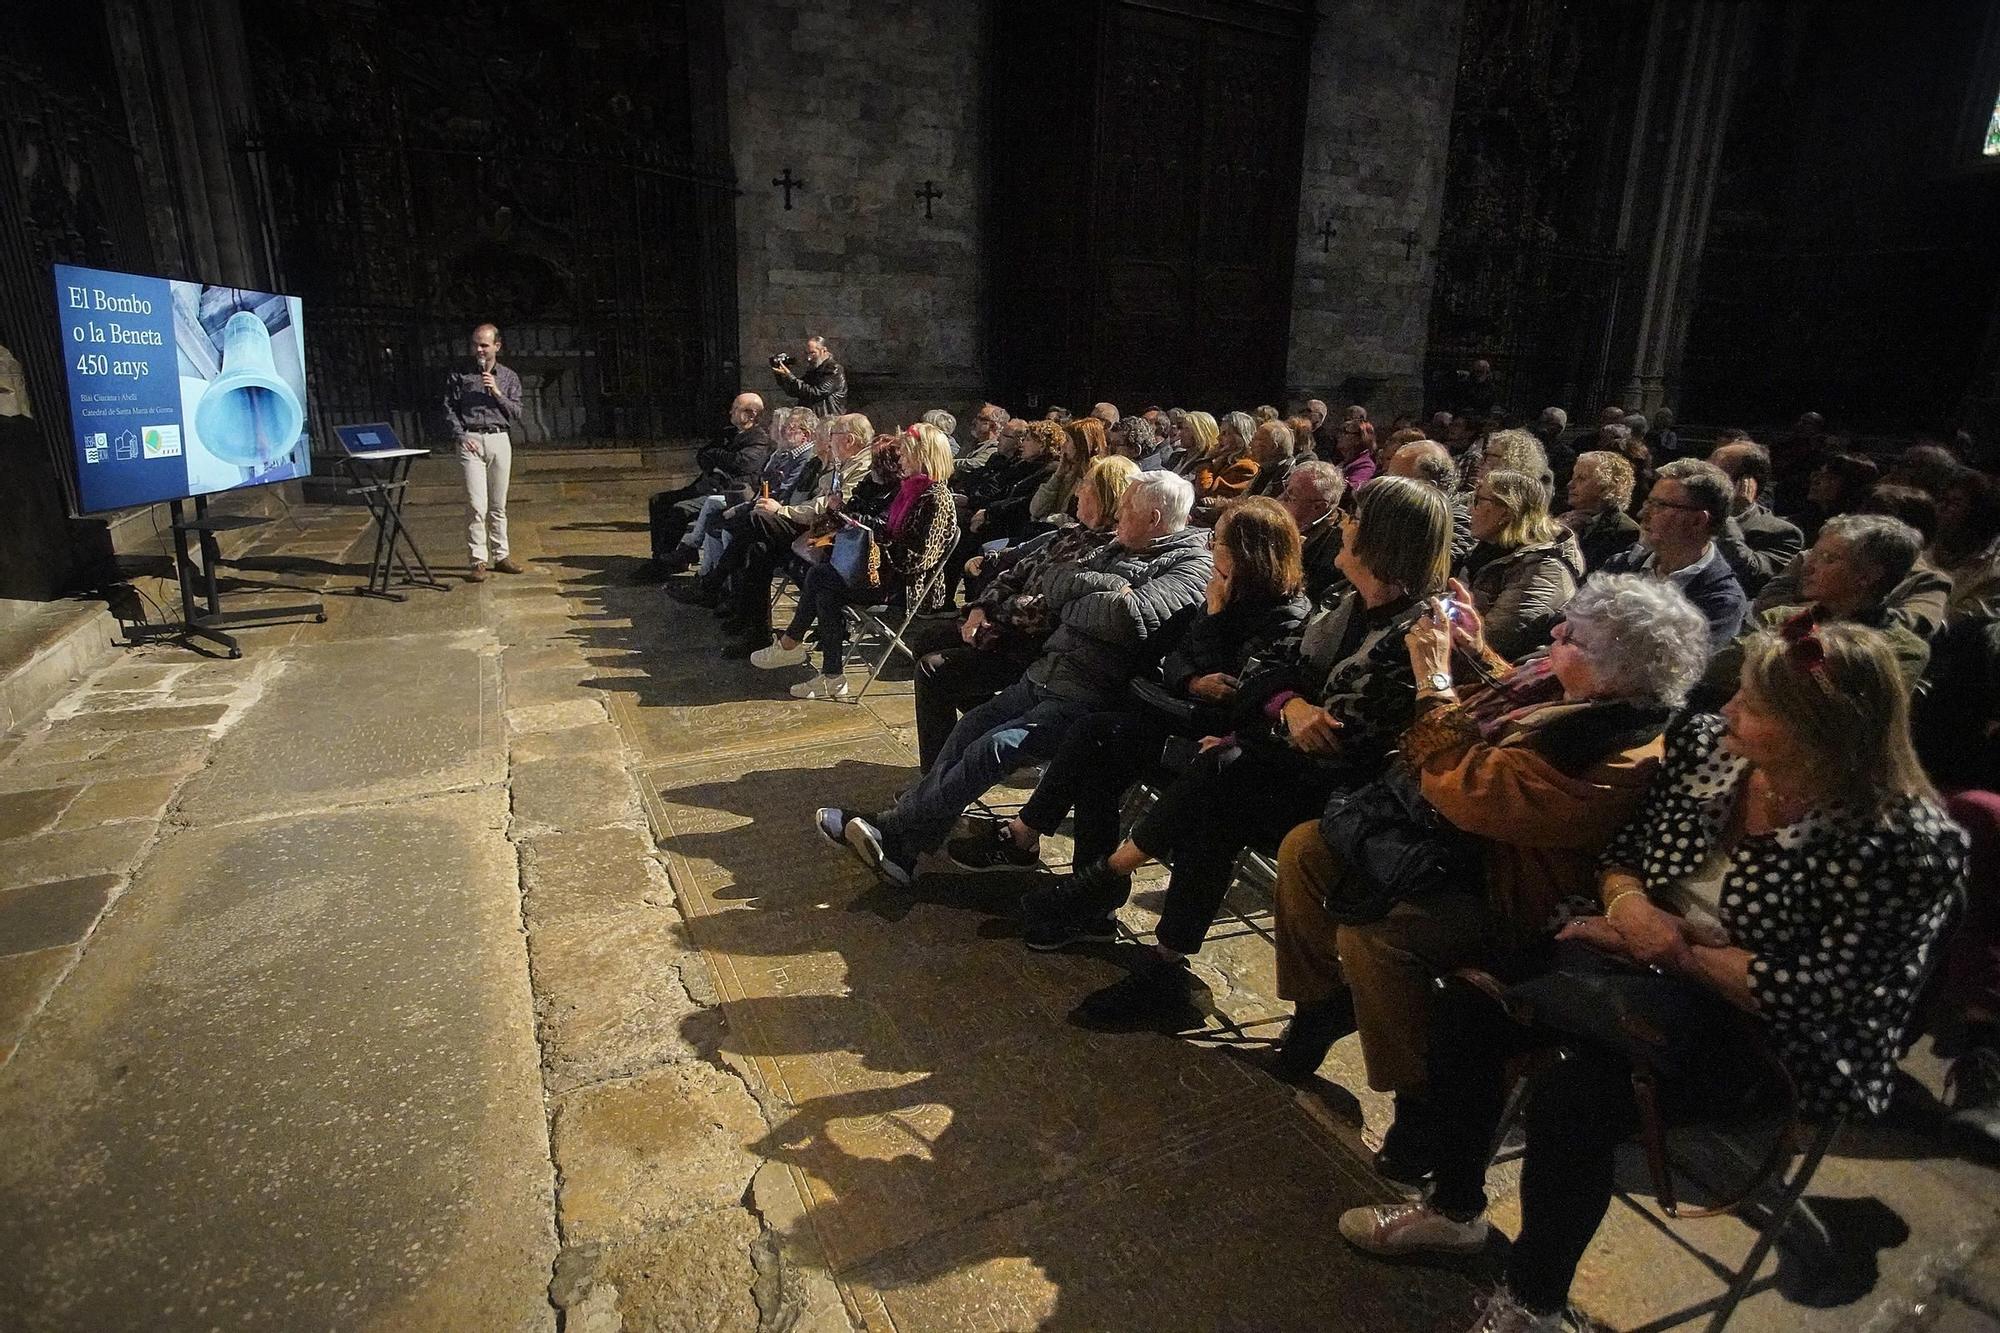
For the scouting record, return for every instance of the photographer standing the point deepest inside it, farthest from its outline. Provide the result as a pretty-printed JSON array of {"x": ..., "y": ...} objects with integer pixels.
[
  {"x": 822, "y": 385},
  {"x": 479, "y": 404}
]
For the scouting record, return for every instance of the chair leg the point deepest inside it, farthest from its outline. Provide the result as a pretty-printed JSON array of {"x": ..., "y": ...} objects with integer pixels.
[{"x": 1782, "y": 1210}]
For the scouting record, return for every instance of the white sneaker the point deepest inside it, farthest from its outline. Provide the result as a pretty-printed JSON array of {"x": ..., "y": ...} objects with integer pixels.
[
  {"x": 776, "y": 655},
  {"x": 820, "y": 687},
  {"x": 1396, "y": 1229},
  {"x": 1504, "y": 1314}
]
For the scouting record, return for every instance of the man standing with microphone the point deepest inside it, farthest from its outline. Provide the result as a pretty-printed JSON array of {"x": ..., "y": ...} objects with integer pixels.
[{"x": 479, "y": 405}]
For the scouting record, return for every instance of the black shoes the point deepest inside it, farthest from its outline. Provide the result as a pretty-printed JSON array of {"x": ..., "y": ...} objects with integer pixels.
[
  {"x": 1405, "y": 1159},
  {"x": 701, "y": 592},
  {"x": 1156, "y": 996},
  {"x": 1311, "y": 1034},
  {"x": 1047, "y": 934},
  {"x": 991, "y": 848},
  {"x": 1093, "y": 891}
]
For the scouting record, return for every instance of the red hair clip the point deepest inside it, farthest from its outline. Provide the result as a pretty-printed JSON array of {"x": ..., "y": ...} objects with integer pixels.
[{"x": 1803, "y": 648}]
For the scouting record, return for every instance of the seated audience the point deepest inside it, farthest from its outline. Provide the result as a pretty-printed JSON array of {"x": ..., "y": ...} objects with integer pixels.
[
  {"x": 1002, "y": 631},
  {"x": 1756, "y": 542},
  {"x": 987, "y": 424},
  {"x": 1917, "y": 603},
  {"x": 1850, "y": 572},
  {"x": 1523, "y": 567},
  {"x": 1688, "y": 505},
  {"x": 790, "y": 470},
  {"x": 1135, "y": 438},
  {"x": 1082, "y": 442},
  {"x": 996, "y": 507},
  {"x": 1796, "y": 456},
  {"x": 1254, "y": 600},
  {"x": 1272, "y": 448},
  {"x": 947, "y": 425},
  {"x": 1388, "y": 447},
  {"x": 1967, "y": 548},
  {"x": 1321, "y": 713},
  {"x": 1109, "y": 610},
  {"x": 1199, "y": 435},
  {"x": 1354, "y": 450},
  {"x": 1303, "y": 442},
  {"x": 731, "y": 466},
  {"x": 1663, "y": 442},
  {"x": 1600, "y": 493},
  {"x": 1518, "y": 451},
  {"x": 1793, "y": 830},
  {"x": 1227, "y": 470},
  {"x": 1429, "y": 462},
  {"x": 1105, "y": 414},
  {"x": 1541, "y": 789},
  {"x": 1837, "y": 486},
  {"x": 913, "y": 538},
  {"x": 761, "y": 536},
  {"x": 1312, "y": 497}
]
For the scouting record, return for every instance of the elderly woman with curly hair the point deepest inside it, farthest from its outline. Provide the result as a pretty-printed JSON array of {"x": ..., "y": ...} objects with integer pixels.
[
  {"x": 1774, "y": 898},
  {"x": 1538, "y": 788}
]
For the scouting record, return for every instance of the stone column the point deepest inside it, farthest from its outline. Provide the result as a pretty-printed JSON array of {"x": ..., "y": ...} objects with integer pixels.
[
  {"x": 1378, "y": 121},
  {"x": 183, "y": 69},
  {"x": 1694, "y": 53}
]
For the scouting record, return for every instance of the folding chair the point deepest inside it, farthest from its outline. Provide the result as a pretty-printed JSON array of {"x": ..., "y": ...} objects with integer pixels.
[{"x": 876, "y": 620}]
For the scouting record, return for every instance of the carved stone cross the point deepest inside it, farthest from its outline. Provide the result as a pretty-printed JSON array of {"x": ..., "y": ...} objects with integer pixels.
[
  {"x": 788, "y": 183},
  {"x": 1326, "y": 235},
  {"x": 1410, "y": 241},
  {"x": 929, "y": 194}
]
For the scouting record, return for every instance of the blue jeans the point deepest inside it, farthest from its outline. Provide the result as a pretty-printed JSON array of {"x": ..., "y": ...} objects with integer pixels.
[
  {"x": 823, "y": 597},
  {"x": 1022, "y": 724}
]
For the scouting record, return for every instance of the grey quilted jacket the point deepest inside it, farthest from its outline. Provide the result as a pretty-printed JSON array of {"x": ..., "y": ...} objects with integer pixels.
[{"x": 1110, "y": 610}]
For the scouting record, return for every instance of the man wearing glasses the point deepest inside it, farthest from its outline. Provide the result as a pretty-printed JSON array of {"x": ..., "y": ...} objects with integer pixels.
[{"x": 1684, "y": 511}]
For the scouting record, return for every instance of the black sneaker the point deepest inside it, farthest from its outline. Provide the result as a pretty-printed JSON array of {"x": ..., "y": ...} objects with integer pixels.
[
  {"x": 1092, "y": 891},
  {"x": 680, "y": 559},
  {"x": 650, "y": 571},
  {"x": 991, "y": 848},
  {"x": 1047, "y": 934},
  {"x": 1156, "y": 996}
]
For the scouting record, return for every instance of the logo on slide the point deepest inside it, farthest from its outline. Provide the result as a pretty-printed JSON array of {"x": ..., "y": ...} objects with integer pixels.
[
  {"x": 95, "y": 447},
  {"x": 163, "y": 441},
  {"x": 126, "y": 447}
]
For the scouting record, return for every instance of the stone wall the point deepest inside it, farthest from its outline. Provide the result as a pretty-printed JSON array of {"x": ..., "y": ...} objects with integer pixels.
[
  {"x": 1378, "y": 120},
  {"x": 865, "y": 100}
]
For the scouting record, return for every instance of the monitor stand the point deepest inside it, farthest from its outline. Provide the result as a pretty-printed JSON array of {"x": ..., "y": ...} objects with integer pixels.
[{"x": 203, "y": 616}]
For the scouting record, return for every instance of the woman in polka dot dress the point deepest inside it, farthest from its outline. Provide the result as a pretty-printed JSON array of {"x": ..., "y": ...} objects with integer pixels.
[{"x": 1836, "y": 871}]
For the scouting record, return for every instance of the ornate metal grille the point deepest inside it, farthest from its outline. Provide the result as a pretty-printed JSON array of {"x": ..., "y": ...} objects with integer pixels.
[{"x": 589, "y": 265}]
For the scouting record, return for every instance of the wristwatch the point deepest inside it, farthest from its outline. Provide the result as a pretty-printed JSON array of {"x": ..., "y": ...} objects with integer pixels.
[{"x": 1438, "y": 682}]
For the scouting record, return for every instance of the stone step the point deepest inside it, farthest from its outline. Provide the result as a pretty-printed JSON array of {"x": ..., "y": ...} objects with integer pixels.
[{"x": 45, "y": 649}]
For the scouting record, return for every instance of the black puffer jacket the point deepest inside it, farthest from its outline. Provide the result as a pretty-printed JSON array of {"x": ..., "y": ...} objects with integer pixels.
[{"x": 1224, "y": 643}]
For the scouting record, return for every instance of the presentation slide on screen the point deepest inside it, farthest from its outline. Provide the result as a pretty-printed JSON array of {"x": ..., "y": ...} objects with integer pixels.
[{"x": 179, "y": 389}]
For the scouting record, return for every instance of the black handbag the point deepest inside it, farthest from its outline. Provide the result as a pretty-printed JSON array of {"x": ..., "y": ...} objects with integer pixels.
[{"x": 1392, "y": 845}]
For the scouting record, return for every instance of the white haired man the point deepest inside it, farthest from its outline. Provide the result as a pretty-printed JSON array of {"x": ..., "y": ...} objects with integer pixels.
[
  {"x": 1107, "y": 607},
  {"x": 480, "y": 403}
]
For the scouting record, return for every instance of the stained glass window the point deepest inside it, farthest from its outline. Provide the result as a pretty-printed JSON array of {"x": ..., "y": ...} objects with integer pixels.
[{"x": 1993, "y": 132}]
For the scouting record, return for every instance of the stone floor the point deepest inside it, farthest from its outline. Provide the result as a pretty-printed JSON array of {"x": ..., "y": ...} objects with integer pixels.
[{"x": 469, "y": 963}]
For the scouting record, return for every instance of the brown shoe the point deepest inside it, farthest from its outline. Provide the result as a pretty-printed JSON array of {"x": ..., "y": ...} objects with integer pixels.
[
  {"x": 477, "y": 574},
  {"x": 505, "y": 564}
]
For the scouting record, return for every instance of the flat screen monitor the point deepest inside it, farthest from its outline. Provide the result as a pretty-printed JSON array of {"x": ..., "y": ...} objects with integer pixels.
[{"x": 179, "y": 389}]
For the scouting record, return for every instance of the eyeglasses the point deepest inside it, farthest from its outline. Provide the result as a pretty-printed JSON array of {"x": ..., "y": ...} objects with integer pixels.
[{"x": 1651, "y": 503}]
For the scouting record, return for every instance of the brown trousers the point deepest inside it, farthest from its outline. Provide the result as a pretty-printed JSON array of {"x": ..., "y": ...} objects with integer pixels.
[{"x": 1388, "y": 965}]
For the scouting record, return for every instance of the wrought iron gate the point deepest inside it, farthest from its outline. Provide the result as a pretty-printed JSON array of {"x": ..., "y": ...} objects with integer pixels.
[{"x": 605, "y": 274}]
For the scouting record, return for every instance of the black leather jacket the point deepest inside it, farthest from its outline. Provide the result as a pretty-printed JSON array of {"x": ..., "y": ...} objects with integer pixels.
[{"x": 823, "y": 387}]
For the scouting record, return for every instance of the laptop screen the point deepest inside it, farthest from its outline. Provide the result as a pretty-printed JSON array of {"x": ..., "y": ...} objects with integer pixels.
[{"x": 368, "y": 438}]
